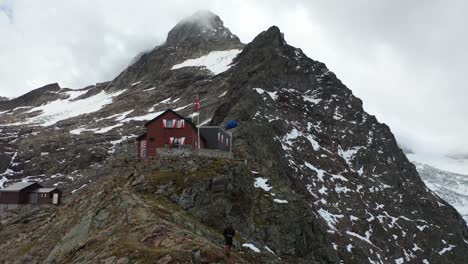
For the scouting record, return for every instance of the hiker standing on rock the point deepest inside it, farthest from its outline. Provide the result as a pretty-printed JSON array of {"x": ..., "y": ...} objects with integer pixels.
[{"x": 229, "y": 233}]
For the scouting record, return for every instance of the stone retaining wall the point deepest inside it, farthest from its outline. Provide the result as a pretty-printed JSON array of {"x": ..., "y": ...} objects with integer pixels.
[
  {"x": 130, "y": 151},
  {"x": 194, "y": 152}
]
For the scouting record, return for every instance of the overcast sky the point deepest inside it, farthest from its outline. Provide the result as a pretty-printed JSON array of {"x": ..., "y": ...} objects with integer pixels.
[{"x": 407, "y": 60}]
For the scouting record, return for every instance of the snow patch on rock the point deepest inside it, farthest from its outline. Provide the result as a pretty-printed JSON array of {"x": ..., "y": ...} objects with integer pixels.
[
  {"x": 280, "y": 201},
  {"x": 215, "y": 61},
  {"x": 330, "y": 219},
  {"x": 143, "y": 117},
  {"x": 262, "y": 184},
  {"x": 252, "y": 247},
  {"x": 62, "y": 109}
]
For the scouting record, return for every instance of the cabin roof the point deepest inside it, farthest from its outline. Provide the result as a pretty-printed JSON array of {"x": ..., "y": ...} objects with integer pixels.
[
  {"x": 206, "y": 129},
  {"x": 141, "y": 136},
  {"x": 162, "y": 114},
  {"x": 211, "y": 127},
  {"x": 171, "y": 111},
  {"x": 44, "y": 190},
  {"x": 18, "y": 186}
]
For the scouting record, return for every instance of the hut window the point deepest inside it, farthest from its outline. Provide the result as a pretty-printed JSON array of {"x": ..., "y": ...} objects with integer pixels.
[
  {"x": 169, "y": 123},
  {"x": 181, "y": 123},
  {"x": 43, "y": 194},
  {"x": 179, "y": 141}
]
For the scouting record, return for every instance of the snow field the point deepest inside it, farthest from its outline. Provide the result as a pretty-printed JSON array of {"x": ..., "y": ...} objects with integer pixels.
[{"x": 215, "y": 61}]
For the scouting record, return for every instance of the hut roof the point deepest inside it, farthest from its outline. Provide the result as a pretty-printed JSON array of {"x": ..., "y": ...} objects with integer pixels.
[
  {"x": 161, "y": 115},
  {"x": 17, "y": 186},
  {"x": 44, "y": 190},
  {"x": 141, "y": 137},
  {"x": 171, "y": 111}
]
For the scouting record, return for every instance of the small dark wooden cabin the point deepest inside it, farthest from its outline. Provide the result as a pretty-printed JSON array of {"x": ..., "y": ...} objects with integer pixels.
[
  {"x": 167, "y": 130},
  {"x": 216, "y": 138},
  {"x": 46, "y": 196},
  {"x": 29, "y": 193}
]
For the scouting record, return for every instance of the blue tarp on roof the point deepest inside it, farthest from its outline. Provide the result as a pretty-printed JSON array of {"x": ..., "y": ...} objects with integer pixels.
[{"x": 231, "y": 124}]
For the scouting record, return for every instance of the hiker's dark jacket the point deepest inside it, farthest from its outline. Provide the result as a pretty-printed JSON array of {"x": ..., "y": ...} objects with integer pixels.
[{"x": 228, "y": 235}]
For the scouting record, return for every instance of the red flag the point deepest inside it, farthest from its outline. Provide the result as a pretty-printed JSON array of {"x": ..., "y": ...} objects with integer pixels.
[{"x": 197, "y": 104}]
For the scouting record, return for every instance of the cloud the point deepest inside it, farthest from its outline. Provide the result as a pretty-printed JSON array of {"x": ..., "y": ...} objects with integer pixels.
[
  {"x": 77, "y": 43},
  {"x": 407, "y": 61}
]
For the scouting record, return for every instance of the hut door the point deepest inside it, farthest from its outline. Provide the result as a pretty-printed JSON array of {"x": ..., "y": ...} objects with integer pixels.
[
  {"x": 32, "y": 198},
  {"x": 55, "y": 197}
]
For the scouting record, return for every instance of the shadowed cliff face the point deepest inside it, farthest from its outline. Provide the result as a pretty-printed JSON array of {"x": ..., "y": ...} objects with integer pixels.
[{"x": 339, "y": 187}]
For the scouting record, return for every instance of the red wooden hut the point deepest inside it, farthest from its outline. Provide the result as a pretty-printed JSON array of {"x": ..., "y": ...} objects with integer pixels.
[{"x": 168, "y": 130}]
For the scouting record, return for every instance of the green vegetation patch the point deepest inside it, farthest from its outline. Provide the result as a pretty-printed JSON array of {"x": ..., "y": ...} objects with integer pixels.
[{"x": 184, "y": 177}]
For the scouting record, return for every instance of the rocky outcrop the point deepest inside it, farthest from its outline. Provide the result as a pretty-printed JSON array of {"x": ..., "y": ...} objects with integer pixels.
[
  {"x": 218, "y": 192},
  {"x": 347, "y": 166},
  {"x": 111, "y": 222},
  {"x": 193, "y": 37},
  {"x": 203, "y": 23},
  {"x": 33, "y": 98}
]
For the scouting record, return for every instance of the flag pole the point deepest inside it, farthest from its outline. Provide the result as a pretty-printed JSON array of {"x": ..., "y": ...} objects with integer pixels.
[
  {"x": 230, "y": 142},
  {"x": 198, "y": 132}
]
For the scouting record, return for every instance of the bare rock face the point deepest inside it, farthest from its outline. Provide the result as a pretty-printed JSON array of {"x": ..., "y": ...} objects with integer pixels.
[
  {"x": 111, "y": 223},
  {"x": 323, "y": 182},
  {"x": 313, "y": 137},
  {"x": 193, "y": 37},
  {"x": 33, "y": 98},
  {"x": 200, "y": 29}
]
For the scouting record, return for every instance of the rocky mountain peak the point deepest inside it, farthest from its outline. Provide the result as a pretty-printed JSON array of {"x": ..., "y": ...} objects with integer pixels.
[
  {"x": 266, "y": 48},
  {"x": 193, "y": 37},
  {"x": 33, "y": 98},
  {"x": 272, "y": 36},
  {"x": 204, "y": 18},
  {"x": 202, "y": 25}
]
